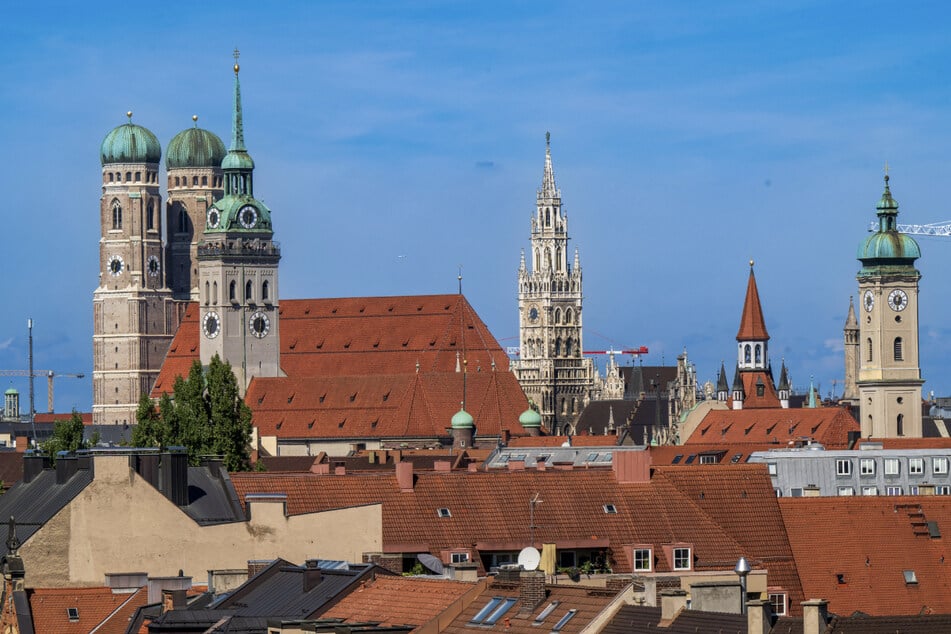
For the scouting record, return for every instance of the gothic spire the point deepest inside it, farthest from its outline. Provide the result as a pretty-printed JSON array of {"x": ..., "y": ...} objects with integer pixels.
[
  {"x": 752, "y": 324},
  {"x": 721, "y": 379},
  {"x": 851, "y": 323},
  {"x": 237, "y": 123},
  {"x": 784, "y": 378},
  {"x": 548, "y": 182}
]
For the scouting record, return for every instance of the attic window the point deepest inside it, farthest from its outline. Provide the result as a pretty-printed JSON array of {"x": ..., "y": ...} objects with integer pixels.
[
  {"x": 419, "y": 308},
  {"x": 320, "y": 344},
  {"x": 376, "y": 344},
  {"x": 389, "y": 308},
  {"x": 432, "y": 342},
  {"x": 363, "y": 308},
  {"x": 347, "y": 345},
  {"x": 933, "y": 530},
  {"x": 290, "y": 399},
  {"x": 293, "y": 344},
  {"x": 333, "y": 311},
  {"x": 374, "y": 423},
  {"x": 307, "y": 310},
  {"x": 677, "y": 459},
  {"x": 910, "y": 577},
  {"x": 446, "y": 307},
  {"x": 690, "y": 458},
  {"x": 748, "y": 430},
  {"x": 564, "y": 620},
  {"x": 840, "y": 578},
  {"x": 545, "y": 613},
  {"x": 443, "y": 512},
  {"x": 736, "y": 458},
  {"x": 704, "y": 430},
  {"x": 260, "y": 399},
  {"x": 310, "y": 425},
  {"x": 73, "y": 614},
  {"x": 610, "y": 509},
  {"x": 452, "y": 342},
  {"x": 405, "y": 342},
  {"x": 278, "y": 426}
]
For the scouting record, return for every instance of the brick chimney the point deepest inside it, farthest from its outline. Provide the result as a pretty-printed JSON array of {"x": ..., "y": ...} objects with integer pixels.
[
  {"x": 759, "y": 617},
  {"x": 22, "y": 443},
  {"x": 632, "y": 466},
  {"x": 671, "y": 603},
  {"x": 312, "y": 575},
  {"x": 531, "y": 589},
  {"x": 404, "y": 476},
  {"x": 815, "y": 616}
]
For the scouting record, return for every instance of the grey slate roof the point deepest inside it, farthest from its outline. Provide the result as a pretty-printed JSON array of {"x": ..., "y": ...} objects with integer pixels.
[{"x": 34, "y": 503}]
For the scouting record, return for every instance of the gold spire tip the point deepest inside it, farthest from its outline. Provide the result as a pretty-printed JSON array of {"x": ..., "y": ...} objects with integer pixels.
[
  {"x": 751, "y": 262},
  {"x": 129, "y": 114},
  {"x": 194, "y": 117},
  {"x": 237, "y": 54}
]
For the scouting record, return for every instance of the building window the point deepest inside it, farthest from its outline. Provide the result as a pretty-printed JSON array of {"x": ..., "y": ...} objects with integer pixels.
[
  {"x": 681, "y": 559},
  {"x": 747, "y": 353},
  {"x": 796, "y": 492},
  {"x": 779, "y": 492},
  {"x": 916, "y": 466},
  {"x": 867, "y": 466},
  {"x": 843, "y": 467},
  {"x": 900, "y": 425},
  {"x": 898, "y": 356},
  {"x": 892, "y": 490},
  {"x": 443, "y": 512},
  {"x": 759, "y": 353},
  {"x": 913, "y": 489},
  {"x": 459, "y": 558},
  {"x": 846, "y": 491},
  {"x": 869, "y": 490},
  {"x": 265, "y": 291},
  {"x": 643, "y": 559},
  {"x": 182, "y": 219},
  {"x": 207, "y": 293},
  {"x": 116, "y": 215},
  {"x": 939, "y": 466},
  {"x": 708, "y": 459},
  {"x": 771, "y": 468},
  {"x": 248, "y": 291},
  {"x": 943, "y": 489},
  {"x": 868, "y": 356},
  {"x": 891, "y": 466},
  {"x": 233, "y": 291},
  {"x": 150, "y": 217},
  {"x": 778, "y": 602}
]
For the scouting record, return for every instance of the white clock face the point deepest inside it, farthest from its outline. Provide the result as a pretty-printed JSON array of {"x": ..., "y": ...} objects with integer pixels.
[
  {"x": 259, "y": 325},
  {"x": 214, "y": 218},
  {"x": 898, "y": 299},
  {"x": 211, "y": 324},
  {"x": 154, "y": 266},
  {"x": 116, "y": 265},
  {"x": 248, "y": 217},
  {"x": 868, "y": 301}
]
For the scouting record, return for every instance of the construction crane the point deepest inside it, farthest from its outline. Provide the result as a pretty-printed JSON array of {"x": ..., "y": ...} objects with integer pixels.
[
  {"x": 938, "y": 229},
  {"x": 515, "y": 351},
  {"x": 49, "y": 374}
]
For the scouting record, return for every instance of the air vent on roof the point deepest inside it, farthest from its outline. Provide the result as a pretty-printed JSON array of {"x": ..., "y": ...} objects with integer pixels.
[
  {"x": 389, "y": 308},
  {"x": 73, "y": 614},
  {"x": 293, "y": 344},
  {"x": 419, "y": 308},
  {"x": 748, "y": 429},
  {"x": 840, "y": 577},
  {"x": 260, "y": 399},
  {"x": 347, "y": 344},
  {"x": 340, "y": 424},
  {"x": 320, "y": 344},
  {"x": 446, "y": 307},
  {"x": 544, "y": 613},
  {"x": 374, "y": 423},
  {"x": 363, "y": 308},
  {"x": 386, "y": 397},
  {"x": 290, "y": 399},
  {"x": 564, "y": 620},
  {"x": 452, "y": 342},
  {"x": 333, "y": 310},
  {"x": 610, "y": 509},
  {"x": 279, "y": 425},
  {"x": 307, "y": 310},
  {"x": 376, "y": 344},
  {"x": 704, "y": 430},
  {"x": 443, "y": 512},
  {"x": 310, "y": 425},
  {"x": 322, "y": 397},
  {"x": 353, "y": 397},
  {"x": 405, "y": 342},
  {"x": 432, "y": 342},
  {"x": 194, "y": 348}
]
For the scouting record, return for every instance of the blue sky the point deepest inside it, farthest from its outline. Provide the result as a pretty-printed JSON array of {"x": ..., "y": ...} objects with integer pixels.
[{"x": 395, "y": 141}]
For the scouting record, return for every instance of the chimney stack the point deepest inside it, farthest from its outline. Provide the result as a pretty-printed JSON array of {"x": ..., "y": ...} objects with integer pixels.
[
  {"x": 671, "y": 603},
  {"x": 404, "y": 476},
  {"x": 815, "y": 616},
  {"x": 531, "y": 589},
  {"x": 759, "y": 617}
]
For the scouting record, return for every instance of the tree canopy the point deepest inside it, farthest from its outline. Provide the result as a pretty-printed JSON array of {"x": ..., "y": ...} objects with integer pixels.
[
  {"x": 205, "y": 414},
  {"x": 67, "y": 436}
]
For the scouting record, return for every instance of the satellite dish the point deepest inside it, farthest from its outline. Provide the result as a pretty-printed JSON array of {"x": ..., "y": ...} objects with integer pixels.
[
  {"x": 529, "y": 558},
  {"x": 431, "y": 563}
]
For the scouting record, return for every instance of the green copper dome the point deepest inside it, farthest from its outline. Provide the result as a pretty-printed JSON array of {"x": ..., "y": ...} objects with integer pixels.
[
  {"x": 195, "y": 147},
  {"x": 887, "y": 247},
  {"x": 530, "y": 418},
  {"x": 130, "y": 143},
  {"x": 11, "y": 391},
  {"x": 462, "y": 420},
  {"x": 237, "y": 160}
]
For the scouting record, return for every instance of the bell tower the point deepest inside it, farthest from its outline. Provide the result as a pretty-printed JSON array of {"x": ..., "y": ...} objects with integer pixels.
[
  {"x": 551, "y": 368},
  {"x": 889, "y": 377},
  {"x": 237, "y": 269},
  {"x": 134, "y": 317}
]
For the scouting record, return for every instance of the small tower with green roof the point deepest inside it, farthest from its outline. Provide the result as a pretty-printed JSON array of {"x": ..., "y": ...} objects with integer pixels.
[
  {"x": 237, "y": 267},
  {"x": 11, "y": 405},
  {"x": 889, "y": 380},
  {"x": 195, "y": 181}
]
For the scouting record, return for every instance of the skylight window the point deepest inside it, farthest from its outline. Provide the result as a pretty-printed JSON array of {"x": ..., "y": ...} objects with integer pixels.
[
  {"x": 545, "y": 613},
  {"x": 500, "y": 611},
  {"x": 677, "y": 459},
  {"x": 443, "y": 512},
  {"x": 610, "y": 509},
  {"x": 564, "y": 620},
  {"x": 606, "y": 457},
  {"x": 690, "y": 458},
  {"x": 910, "y": 576},
  {"x": 73, "y": 614},
  {"x": 484, "y": 612}
]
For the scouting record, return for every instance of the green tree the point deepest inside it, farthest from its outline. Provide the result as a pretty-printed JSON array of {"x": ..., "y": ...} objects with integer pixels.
[
  {"x": 230, "y": 417},
  {"x": 151, "y": 430},
  {"x": 67, "y": 436}
]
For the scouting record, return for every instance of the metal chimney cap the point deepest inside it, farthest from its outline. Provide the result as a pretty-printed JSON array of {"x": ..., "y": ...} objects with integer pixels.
[{"x": 742, "y": 567}]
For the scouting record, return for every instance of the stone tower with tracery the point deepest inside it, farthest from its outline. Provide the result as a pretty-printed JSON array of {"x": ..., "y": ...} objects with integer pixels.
[{"x": 551, "y": 367}]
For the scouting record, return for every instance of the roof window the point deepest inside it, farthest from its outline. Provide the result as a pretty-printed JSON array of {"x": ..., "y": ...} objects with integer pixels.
[
  {"x": 910, "y": 577},
  {"x": 677, "y": 459},
  {"x": 73, "y": 614},
  {"x": 443, "y": 512},
  {"x": 545, "y": 613},
  {"x": 564, "y": 620},
  {"x": 690, "y": 458},
  {"x": 493, "y": 611},
  {"x": 610, "y": 509},
  {"x": 736, "y": 458}
]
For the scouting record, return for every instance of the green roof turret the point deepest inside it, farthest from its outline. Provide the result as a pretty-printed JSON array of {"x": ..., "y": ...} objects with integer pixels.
[
  {"x": 11, "y": 391},
  {"x": 462, "y": 420},
  {"x": 887, "y": 250},
  {"x": 130, "y": 143},
  {"x": 195, "y": 147},
  {"x": 530, "y": 419}
]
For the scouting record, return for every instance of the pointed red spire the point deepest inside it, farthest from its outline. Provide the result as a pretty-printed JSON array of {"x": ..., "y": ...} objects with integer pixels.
[{"x": 752, "y": 324}]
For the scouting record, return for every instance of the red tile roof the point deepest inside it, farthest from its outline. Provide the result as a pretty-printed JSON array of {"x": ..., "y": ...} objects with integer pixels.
[
  {"x": 398, "y": 600},
  {"x": 724, "y": 513},
  {"x": 907, "y": 443},
  {"x": 665, "y": 455},
  {"x": 752, "y": 324},
  {"x": 870, "y": 541},
  {"x": 558, "y": 441},
  {"x": 827, "y": 425},
  {"x": 98, "y": 607},
  {"x": 751, "y": 398}
]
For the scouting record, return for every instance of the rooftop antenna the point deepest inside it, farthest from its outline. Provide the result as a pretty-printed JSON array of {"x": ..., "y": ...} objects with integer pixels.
[
  {"x": 459, "y": 277},
  {"x": 29, "y": 327}
]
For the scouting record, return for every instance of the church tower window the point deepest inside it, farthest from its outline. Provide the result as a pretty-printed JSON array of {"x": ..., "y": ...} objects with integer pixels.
[
  {"x": 150, "y": 216},
  {"x": 233, "y": 291},
  {"x": 116, "y": 215},
  {"x": 747, "y": 352},
  {"x": 248, "y": 291},
  {"x": 265, "y": 291},
  {"x": 868, "y": 356},
  {"x": 898, "y": 351}
]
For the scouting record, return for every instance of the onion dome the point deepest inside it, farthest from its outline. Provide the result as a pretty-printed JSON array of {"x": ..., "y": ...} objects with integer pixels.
[
  {"x": 130, "y": 143},
  {"x": 530, "y": 419},
  {"x": 462, "y": 420},
  {"x": 887, "y": 246},
  {"x": 11, "y": 391},
  {"x": 195, "y": 147}
]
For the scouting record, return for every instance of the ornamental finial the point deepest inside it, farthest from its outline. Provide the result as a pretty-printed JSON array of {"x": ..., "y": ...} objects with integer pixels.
[
  {"x": 237, "y": 54},
  {"x": 129, "y": 114},
  {"x": 751, "y": 262},
  {"x": 195, "y": 119},
  {"x": 548, "y": 138}
]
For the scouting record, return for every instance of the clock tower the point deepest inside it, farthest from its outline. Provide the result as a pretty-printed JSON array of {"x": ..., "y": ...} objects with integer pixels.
[
  {"x": 551, "y": 368},
  {"x": 237, "y": 269},
  {"x": 134, "y": 316},
  {"x": 889, "y": 378}
]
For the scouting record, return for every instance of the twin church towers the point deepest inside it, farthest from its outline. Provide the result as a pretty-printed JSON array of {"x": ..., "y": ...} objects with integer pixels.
[{"x": 218, "y": 251}]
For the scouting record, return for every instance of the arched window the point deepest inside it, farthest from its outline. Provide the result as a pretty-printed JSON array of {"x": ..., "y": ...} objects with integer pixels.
[
  {"x": 194, "y": 180},
  {"x": 548, "y": 258},
  {"x": 547, "y": 217},
  {"x": 569, "y": 318},
  {"x": 204, "y": 180},
  {"x": 759, "y": 353},
  {"x": 176, "y": 181},
  {"x": 568, "y": 343},
  {"x": 265, "y": 291},
  {"x": 138, "y": 177},
  {"x": 558, "y": 258},
  {"x": 116, "y": 215},
  {"x": 900, "y": 425},
  {"x": 233, "y": 291},
  {"x": 898, "y": 352},
  {"x": 128, "y": 177},
  {"x": 558, "y": 347},
  {"x": 248, "y": 291},
  {"x": 538, "y": 260},
  {"x": 110, "y": 177},
  {"x": 747, "y": 351},
  {"x": 214, "y": 294},
  {"x": 207, "y": 297},
  {"x": 868, "y": 356},
  {"x": 182, "y": 219},
  {"x": 150, "y": 216},
  {"x": 557, "y": 316}
]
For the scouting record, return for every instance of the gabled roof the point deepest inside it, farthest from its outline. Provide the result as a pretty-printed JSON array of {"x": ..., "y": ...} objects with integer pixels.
[
  {"x": 751, "y": 382},
  {"x": 725, "y": 453},
  {"x": 752, "y": 324},
  {"x": 870, "y": 542},
  {"x": 336, "y": 336},
  {"x": 34, "y": 503},
  {"x": 635, "y": 618},
  {"x": 97, "y": 610},
  {"x": 398, "y": 600},
  {"x": 827, "y": 425}
]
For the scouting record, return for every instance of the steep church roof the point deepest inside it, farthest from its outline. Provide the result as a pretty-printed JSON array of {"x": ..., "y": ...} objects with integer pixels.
[{"x": 752, "y": 324}]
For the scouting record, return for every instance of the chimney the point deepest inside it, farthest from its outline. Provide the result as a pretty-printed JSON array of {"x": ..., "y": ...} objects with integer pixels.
[
  {"x": 531, "y": 589},
  {"x": 174, "y": 475},
  {"x": 340, "y": 469},
  {"x": 404, "y": 476},
  {"x": 320, "y": 468},
  {"x": 516, "y": 465},
  {"x": 759, "y": 617},
  {"x": 22, "y": 442},
  {"x": 66, "y": 465},
  {"x": 173, "y": 600},
  {"x": 33, "y": 465},
  {"x": 442, "y": 465},
  {"x": 540, "y": 464},
  {"x": 631, "y": 466},
  {"x": 312, "y": 575},
  {"x": 814, "y": 616},
  {"x": 671, "y": 603},
  {"x": 257, "y": 565}
]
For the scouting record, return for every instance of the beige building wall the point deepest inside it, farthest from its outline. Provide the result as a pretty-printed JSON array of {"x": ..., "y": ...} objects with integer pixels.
[{"x": 121, "y": 523}]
